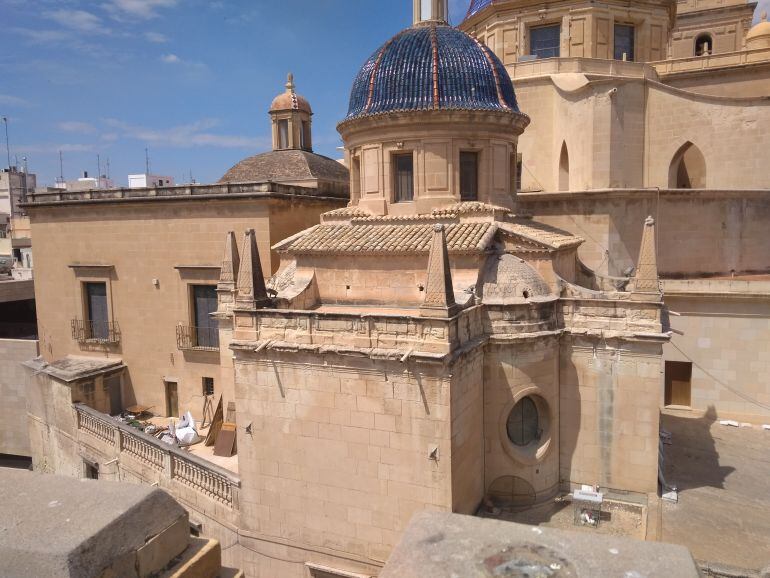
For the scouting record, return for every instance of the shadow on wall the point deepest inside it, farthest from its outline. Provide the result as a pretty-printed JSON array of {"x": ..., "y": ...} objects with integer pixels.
[{"x": 691, "y": 461}]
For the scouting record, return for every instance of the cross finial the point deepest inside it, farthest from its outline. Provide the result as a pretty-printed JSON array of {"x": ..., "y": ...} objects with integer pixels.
[{"x": 290, "y": 83}]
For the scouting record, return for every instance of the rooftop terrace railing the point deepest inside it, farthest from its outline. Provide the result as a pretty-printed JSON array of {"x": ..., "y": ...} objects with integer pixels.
[{"x": 204, "y": 477}]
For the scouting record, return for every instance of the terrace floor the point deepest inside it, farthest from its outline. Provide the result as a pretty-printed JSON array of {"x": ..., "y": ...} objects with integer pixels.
[{"x": 723, "y": 477}]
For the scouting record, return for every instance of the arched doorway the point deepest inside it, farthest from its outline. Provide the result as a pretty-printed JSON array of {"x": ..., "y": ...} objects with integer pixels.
[
  {"x": 564, "y": 168},
  {"x": 688, "y": 168}
]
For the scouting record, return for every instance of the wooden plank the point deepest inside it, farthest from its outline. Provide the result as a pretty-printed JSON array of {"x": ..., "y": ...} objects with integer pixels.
[
  {"x": 216, "y": 424},
  {"x": 225, "y": 446}
]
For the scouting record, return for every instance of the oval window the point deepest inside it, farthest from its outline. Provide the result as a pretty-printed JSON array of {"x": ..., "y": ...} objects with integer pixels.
[{"x": 524, "y": 422}]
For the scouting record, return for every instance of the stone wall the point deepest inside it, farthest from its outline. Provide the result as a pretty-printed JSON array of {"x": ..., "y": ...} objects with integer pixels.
[
  {"x": 726, "y": 338},
  {"x": 609, "y": 409},
  {"x": 512, "y": 371},
  {"x": 150, "y": 254},
  {"x": 339, "y": 457},
  {"x": 698, "y": 232},
  {"x": 14, "y": 437}
]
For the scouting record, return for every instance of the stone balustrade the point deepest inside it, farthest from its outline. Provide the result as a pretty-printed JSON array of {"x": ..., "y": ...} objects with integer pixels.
[
  {"x": 175, "y": 464},
  {"x": 96, "y": 426}
]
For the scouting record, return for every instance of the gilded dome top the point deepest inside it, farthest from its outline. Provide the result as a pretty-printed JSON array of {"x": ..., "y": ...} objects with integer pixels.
[{"x": 431, "y": 66}]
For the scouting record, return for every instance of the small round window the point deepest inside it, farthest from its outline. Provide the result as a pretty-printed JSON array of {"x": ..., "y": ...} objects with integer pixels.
[{"x": 524, "y": 422}]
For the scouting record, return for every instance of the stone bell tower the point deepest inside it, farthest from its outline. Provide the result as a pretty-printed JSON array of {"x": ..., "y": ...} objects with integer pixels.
[
  {"x": 291, "y": 117},
  {"x": 431, "y": 11}
]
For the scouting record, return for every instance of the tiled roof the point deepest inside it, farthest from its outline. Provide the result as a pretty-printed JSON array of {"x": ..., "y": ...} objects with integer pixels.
[
  {"x": 344, "y": 213},
  {"x": 433, "y": 67},
  {"x": 286, "y": 165},
  {"x": 541, "y": 233},
  {"x": 365, "y": 238}
]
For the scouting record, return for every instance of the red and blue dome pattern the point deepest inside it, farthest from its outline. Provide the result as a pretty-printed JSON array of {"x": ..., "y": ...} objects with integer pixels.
[{"x": 431, "y": 67}]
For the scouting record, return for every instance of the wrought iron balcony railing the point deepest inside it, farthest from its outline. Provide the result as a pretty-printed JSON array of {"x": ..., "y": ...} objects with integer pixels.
[
  {"x": 84, "y": 331},
  {"x": 190, "y": 338}
]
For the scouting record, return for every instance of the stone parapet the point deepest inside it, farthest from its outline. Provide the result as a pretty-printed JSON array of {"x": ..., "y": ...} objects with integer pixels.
[
  {"x": 440, "y": 544},
  {"x": 579, "y": 65},
  {"x": 709, "y": 62},
  {"x": 406, "y": 332},
  {"x": 743, "y": 288},
  {"x": 264, "y": 189},
  {"x": 119, "y": 441}
]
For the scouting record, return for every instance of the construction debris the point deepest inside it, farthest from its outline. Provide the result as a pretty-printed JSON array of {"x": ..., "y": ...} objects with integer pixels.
[{"x": 729, "y": 422}]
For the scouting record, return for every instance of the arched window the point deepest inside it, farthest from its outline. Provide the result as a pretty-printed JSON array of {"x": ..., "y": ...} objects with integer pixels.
[
  {"x": 564, "y": 168},
  {"x": 688, "y": 168},
  {"x": 704, "y": 45},
  {"x": 523, "y": 423}
]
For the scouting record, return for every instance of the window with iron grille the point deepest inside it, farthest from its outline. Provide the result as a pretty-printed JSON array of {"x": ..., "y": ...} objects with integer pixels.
[
  {"x": 97, "y": 311},
  {"x": 208, "y": 386},
  {"x": 206, "y": 331}
]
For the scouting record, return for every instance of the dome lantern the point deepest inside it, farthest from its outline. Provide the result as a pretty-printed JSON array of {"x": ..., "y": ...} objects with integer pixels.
[
  {"x": 430, "y": 11},
  {"x": 290, "y": 114}
]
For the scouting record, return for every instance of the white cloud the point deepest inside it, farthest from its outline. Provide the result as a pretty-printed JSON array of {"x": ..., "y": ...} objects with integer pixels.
[
  {"x": 43, "y": 36},
  {"x": 141, "y": 9},
  {"x": 171, "y": 59},
  {"x": 195, "y": 134},
  {"x": 15, "y": 101},
  {"x": 79, "y": 20},
  {"x": 76, "y": 127},
  {"x": 54, "y": 148},
  {"x": 156, "y": 37}
]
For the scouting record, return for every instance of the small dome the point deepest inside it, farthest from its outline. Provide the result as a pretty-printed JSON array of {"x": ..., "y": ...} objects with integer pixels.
[
  {"x": 759, "y": 33},
  {"x": 290, "y": 100},
  {"x": 508, "y": 279},
  {"x": 431, "y": 66},
  {"x": 286, "y": 166}
]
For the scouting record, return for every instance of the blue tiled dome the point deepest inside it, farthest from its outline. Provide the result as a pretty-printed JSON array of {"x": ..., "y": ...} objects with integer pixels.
[
  {"x": 431, "y": 67},
  {"x": 477, "y": 6}
]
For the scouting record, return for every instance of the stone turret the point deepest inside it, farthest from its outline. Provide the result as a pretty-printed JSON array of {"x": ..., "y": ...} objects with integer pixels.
[
  {"x": 252, "y": 293},
  {"x": 226, "y": 287},
  {"x": 439, "y": 295},
  {"x": 646, "y": 279}
]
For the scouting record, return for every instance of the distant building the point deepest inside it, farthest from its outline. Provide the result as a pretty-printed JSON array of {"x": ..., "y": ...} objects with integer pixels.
[
  {"x": 15, "y": 185},
  {"x": 144, "y": 181},
  {"x": 86, "y": 183}
]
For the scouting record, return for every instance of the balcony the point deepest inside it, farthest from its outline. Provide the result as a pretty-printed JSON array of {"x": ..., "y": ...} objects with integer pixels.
[
  {"x": 84, "y": 331},
  {"x": 191, "y": 338},
  {"x": 172, "y": 468}
]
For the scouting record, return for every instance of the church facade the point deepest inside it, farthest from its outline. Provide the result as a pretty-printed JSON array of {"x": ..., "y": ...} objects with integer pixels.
[{"x": 555, "y": 228}]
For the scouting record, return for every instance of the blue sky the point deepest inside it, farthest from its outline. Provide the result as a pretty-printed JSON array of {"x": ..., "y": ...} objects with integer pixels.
[{"x": 190, "y": 79}]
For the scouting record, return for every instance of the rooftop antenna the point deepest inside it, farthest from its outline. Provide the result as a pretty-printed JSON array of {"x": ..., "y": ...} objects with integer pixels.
[
  {"x": 147, "y": 161},
  {"x": 192, "y": 180},
  {"x": 98, "y": 169},
  {"x": 108, "y": 168},
  {"x": 7, "y": 146}
]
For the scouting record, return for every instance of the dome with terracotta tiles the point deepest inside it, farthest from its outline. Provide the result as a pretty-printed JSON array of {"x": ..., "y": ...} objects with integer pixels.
[{"x": 431, "y": 66}]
